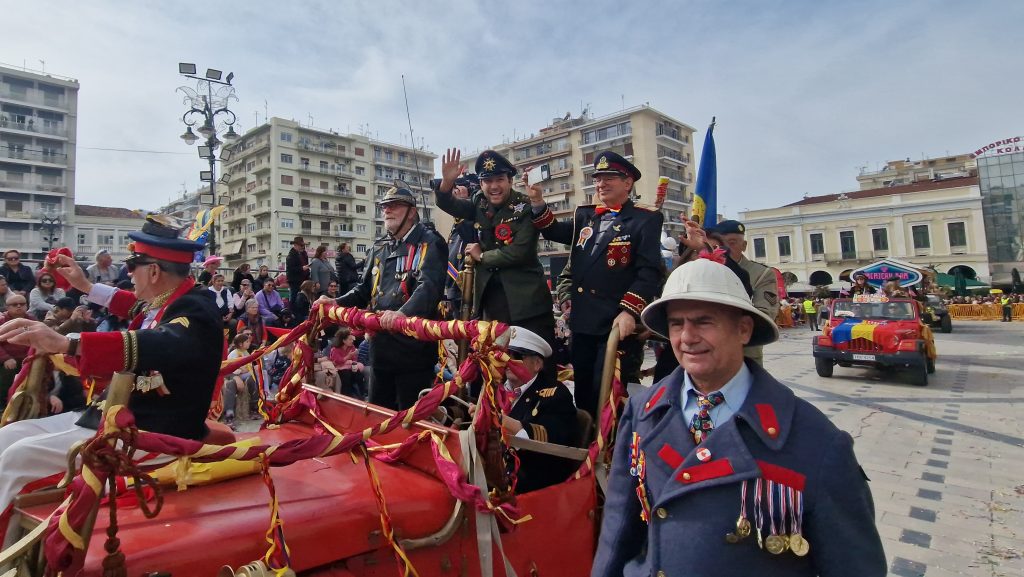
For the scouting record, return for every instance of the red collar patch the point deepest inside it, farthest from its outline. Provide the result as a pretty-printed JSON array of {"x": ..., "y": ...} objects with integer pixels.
[
  {"x": 654, "y": 399},
  {"x": 769, "y": 422}
]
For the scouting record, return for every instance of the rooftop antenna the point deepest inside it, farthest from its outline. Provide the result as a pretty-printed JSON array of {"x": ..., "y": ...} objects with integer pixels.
[
  {"x": 310, "y": 119},
  {"x": 415, "y": 157}
]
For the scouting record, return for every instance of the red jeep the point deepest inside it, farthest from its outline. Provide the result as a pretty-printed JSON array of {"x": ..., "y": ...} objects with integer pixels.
[{"x": 877, "y": 332}]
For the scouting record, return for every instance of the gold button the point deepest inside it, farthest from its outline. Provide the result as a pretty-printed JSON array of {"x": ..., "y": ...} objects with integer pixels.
[
  {"x": 686, "y": 476},
  {"x": 580, "y": 290},
  {"x": 662, "y": 574},
  {"x": 662, "y": 513},
  {"x": 772, "y": 431}
]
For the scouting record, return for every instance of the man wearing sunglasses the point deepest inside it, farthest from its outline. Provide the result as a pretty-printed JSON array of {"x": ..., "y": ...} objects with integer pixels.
[{"x": 174, "y": 344}]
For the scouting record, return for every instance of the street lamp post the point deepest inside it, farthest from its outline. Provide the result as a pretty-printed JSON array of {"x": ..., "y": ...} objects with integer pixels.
[
  {"x": 53, "y": 224},
  {"x": 208, "y": 107}
]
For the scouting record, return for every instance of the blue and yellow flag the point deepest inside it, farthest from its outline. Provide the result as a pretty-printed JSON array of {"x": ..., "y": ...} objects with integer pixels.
[
  {"x": 705, "y": 195},
  {"x": 204, "y": 219},
  {"x": 851, "y": 329}
]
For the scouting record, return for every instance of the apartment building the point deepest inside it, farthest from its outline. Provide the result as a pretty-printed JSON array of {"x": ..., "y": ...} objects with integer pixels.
[
  {"x": 286, "y": 180},
  {"x": 901, "y": 172},
  {"x": 821, "y": 239},
  {"x": 38, "y": 118},
  {"x": 656, "y": 143},
  {"x": 104, "y": 228}
]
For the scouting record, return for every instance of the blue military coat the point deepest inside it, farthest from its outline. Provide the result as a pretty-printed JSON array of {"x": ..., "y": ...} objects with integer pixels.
[{"x": 694, "y": 493}]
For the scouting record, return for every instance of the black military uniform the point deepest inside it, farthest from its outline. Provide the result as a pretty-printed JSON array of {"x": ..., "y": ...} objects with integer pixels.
[
  {"x": 509, "y": 283},
  {"x": 547, "y": 414},
  {"x": 615, "y": 266},
  {"x": 405, "y": 275},
  {"x": 463, "y": 232}
]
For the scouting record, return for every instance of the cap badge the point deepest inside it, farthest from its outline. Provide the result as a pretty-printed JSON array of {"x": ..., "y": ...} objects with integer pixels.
[
  {"x": 489, "y": 164},
  {"x": 513, "y": 333},
  {"x": 741, "y": 229},
  {"x": 602, "y": 163}
]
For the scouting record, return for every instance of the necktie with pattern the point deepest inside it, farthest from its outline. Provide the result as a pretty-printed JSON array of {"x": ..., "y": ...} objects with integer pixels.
[{"x": 701, "y": 424}]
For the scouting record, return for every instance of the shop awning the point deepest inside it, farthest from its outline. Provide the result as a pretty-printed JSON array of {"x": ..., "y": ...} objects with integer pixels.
[{"x": 233, "y": 247}]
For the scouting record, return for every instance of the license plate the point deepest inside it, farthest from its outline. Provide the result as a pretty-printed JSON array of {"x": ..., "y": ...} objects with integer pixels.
[{"x": 863, "y": 357}]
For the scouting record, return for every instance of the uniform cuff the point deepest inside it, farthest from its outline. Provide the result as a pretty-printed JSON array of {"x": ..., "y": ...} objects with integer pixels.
[
  {"x": 538, "y": 433},
  {"x": 633, "y": 303},
  {"x": 545, "y": 219},
  {"x": 103, "y": 354},
  {"x": 101, "y": 294}
]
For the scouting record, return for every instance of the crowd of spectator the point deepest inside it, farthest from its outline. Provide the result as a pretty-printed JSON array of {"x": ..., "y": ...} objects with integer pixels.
[{"x": 249, "y": 304}]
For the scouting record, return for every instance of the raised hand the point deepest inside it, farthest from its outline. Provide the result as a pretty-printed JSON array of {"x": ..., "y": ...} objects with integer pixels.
[
  {"x": 451, "y": 168},
  {"x": 534, "y": 191}
]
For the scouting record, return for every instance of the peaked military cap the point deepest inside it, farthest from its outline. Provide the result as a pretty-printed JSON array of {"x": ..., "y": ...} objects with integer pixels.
[
  {"x": 490, "y": 163},
  {"x": 609, "y": 162},
  {"x": 160, "y": 239},
  {"x": 400, "y": 192},
  {"x": 730, "y": 227}
]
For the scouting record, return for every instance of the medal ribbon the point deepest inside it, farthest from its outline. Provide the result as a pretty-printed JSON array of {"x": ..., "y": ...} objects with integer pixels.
[
  {"x": 771, "y": 506},
  {"x": 376, "y": 282},
  {"x": 603, "y": 209},
  {"x": 758, "y": 512},
  {"x": 783, "y": 512}
]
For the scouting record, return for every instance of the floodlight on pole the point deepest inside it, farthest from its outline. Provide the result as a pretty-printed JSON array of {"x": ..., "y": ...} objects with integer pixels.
[
  {"x": 213, "y": 74},
  {"x": 204, "y": 151},
  {"x": 206, "y": 175},
  {"x": 186, "y": 68}
]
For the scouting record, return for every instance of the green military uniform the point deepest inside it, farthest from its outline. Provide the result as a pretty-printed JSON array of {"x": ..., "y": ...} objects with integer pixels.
[
  {"x": 765, "y": 297},
  {"x": 509, "y": 281}
]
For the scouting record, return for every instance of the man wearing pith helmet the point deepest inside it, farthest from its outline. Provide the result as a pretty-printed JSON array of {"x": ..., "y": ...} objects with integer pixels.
[{"x": 719, "y": 469}]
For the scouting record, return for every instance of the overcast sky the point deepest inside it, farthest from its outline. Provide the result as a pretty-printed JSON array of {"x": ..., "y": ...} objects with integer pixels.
[{"x": 805, "y": 92}]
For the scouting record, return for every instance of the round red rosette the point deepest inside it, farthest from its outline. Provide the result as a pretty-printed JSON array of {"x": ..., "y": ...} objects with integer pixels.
[{"x": 503, "y": 232}]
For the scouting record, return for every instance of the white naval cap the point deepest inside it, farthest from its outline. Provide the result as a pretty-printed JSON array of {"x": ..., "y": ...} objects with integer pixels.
[{"x": 527, "y": 342}]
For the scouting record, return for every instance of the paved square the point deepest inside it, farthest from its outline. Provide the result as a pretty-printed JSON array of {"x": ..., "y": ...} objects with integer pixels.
[{"x": 946, "y": 461}]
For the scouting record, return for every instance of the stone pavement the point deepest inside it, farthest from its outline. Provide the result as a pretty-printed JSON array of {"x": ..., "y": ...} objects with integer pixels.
[{"x": 946, "y": 461}]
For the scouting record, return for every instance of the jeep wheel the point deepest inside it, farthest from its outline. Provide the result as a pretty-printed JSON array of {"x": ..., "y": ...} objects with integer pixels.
[
  {"x": 946, "y": 325},
  {"x": 919, "y": 374},
  {"x": 823, "y": 367},
  {"x": 931, "y": 366}
]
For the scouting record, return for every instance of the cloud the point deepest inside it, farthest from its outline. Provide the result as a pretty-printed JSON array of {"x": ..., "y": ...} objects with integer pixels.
[{"x": 804, "y": 92}]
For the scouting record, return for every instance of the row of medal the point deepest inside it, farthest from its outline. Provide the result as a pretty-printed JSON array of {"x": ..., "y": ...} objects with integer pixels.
[{"x": 785, "y": 515}]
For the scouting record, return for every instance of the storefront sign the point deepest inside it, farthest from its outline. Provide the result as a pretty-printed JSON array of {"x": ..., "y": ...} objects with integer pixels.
[
  {"x": 885, "y": 270},
  {"x": 1005, "y": 146}
]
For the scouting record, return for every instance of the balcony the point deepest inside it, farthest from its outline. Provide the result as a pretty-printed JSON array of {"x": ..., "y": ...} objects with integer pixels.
[
  {"x": 265, "y": 167},
  {"x": 28, "y": 183},
  {"x": 557, "y": 172},
  {"x": 261, "y": 189},
  {"x": 34, "y": 96},
  {"x": 262, "y": 209},
  {"x": 47, "y": 127},
  {"x": 673, "y": 136},
  {"x": 43, "y": 156},
  {"x": 676, "y": 158},
  {"x": 326, "y": 212}
]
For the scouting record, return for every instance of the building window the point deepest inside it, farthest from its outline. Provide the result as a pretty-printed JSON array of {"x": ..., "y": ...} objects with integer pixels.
[
  {"x": 784, "y": 248},
  {"x": 817, "y": 243},
  {"x": 360, "y": 170},
  {"x": 361, "y": 248},
  {"x": 360, "y": 189},
  {"x": 287, "y": 223},
  {"x": 286, "y": 158},
  {"x": 287, "y": 202},
  {"x": 287, "y": 179},
  {"x": 360, "y": 209},
  {"x": 81, "y": 239},
  {"x": 957, "y": 234},
  {"x": 880, "y": 238},
  {"x": 304, "y": 182},
  {"x": 360, "y": 152},
  {"x": 848, "y": 244},
  {"x": 286, "y": 137},
  {"x": 759, "y": 251},
  {"x": 360, "y": 228},
  {"x": 920, "y": 234}
]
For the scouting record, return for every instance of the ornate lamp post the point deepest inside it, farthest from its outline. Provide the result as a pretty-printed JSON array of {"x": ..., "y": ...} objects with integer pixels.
[
  {"x": 52, "y": 222},
  {"x": 208, "y": 108}
]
